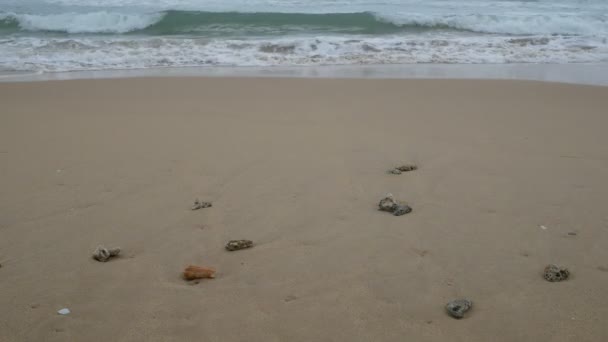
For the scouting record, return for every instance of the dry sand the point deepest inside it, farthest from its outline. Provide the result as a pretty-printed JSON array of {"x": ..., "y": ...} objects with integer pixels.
[{"x": 298, "y": 166}]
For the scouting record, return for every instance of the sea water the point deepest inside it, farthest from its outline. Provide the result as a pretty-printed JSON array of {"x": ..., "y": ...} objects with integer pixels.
[{"x": 68, "y": 35}]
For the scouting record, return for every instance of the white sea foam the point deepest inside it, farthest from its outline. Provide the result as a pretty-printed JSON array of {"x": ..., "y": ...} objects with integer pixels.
[{"x": 55, "y": 54}]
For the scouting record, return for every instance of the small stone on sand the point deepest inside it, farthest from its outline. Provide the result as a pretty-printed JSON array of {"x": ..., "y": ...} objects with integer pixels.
[
  {"x": 235, "y": 245},
  {"x": 394, "y": 171},
  {"x": 458, "y": 307},
  {"x": 554, "y": 273},
  {"x": 104, "y": 254},
  {"x": 572, "y": 233},
  {"x": 200, "y": 205}
]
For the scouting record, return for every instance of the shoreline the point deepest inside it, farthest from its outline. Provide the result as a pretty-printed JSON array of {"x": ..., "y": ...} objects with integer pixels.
[{"x": 587, "y": 74}]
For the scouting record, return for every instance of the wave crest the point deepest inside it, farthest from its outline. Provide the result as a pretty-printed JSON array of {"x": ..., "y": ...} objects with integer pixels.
[
  {"x": 231, "y": 23},
  {"x": 93, "y": 22}
]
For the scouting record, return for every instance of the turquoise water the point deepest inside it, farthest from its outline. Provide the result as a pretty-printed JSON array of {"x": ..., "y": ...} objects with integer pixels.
[{"x": 62, "y": 35}]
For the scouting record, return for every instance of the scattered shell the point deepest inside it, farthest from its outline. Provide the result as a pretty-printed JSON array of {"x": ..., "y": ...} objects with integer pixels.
[
  {"x": 402, "y": 210},
  {"x": 196, "y": 272},
  {"x": 64, "y": 311},
  {"x": 407, "y": 168},
  {"x": 388, "y": 203},
  {"x": 200, "y": 205},
  {"x": 554, "y": 273},
  {"x": 104, "y": 254},
  {"x": 458, "y": 307},
  {"x": 235, "y": 245}
]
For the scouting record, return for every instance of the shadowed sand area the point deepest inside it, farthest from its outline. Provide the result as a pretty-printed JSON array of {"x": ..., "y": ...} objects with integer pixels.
[{"x": 298, "y": 166}]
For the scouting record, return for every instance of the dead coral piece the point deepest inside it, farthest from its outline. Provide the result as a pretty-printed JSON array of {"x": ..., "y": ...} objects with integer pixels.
[
  {"x": 458, "y": 307},
  {"x": 200, "y": 205},
  {"x": 389, "y": 204},
  {"x": 554, "y": 273},
  {"x": 235, "y": 245},
  {"x": 196, "y": 272},
  {"x": 104, "y": 254}
]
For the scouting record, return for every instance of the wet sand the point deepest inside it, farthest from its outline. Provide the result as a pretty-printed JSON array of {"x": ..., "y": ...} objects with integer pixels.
[{"x": 507, "y": 169}]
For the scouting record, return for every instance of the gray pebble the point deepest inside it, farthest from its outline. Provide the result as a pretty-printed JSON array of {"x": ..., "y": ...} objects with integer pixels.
[{"x": 458, "y": 307}]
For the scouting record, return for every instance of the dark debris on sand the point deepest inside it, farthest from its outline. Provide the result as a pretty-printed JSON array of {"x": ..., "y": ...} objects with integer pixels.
[
  {"x": 200, "y": 205},
  {"x": 235, "y": 245}
]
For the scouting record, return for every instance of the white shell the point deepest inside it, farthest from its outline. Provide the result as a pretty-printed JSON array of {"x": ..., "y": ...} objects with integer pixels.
[{"x": 64, "y": 311}]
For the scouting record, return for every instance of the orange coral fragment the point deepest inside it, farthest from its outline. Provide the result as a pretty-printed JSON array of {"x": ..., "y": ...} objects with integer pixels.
[{"x": 196, "y": 272}]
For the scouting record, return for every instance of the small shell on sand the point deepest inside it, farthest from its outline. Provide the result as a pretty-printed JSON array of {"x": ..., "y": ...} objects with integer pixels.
[
  {"x": 104, "y": 254},
  {"x": 200, "y": 205},
  {"x": 235, "y": 245},
  {"x": 196, "y": 272}
]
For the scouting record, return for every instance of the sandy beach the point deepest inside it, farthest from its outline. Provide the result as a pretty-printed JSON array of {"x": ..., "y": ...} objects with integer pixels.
[{"x": 513, "y": 175}]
